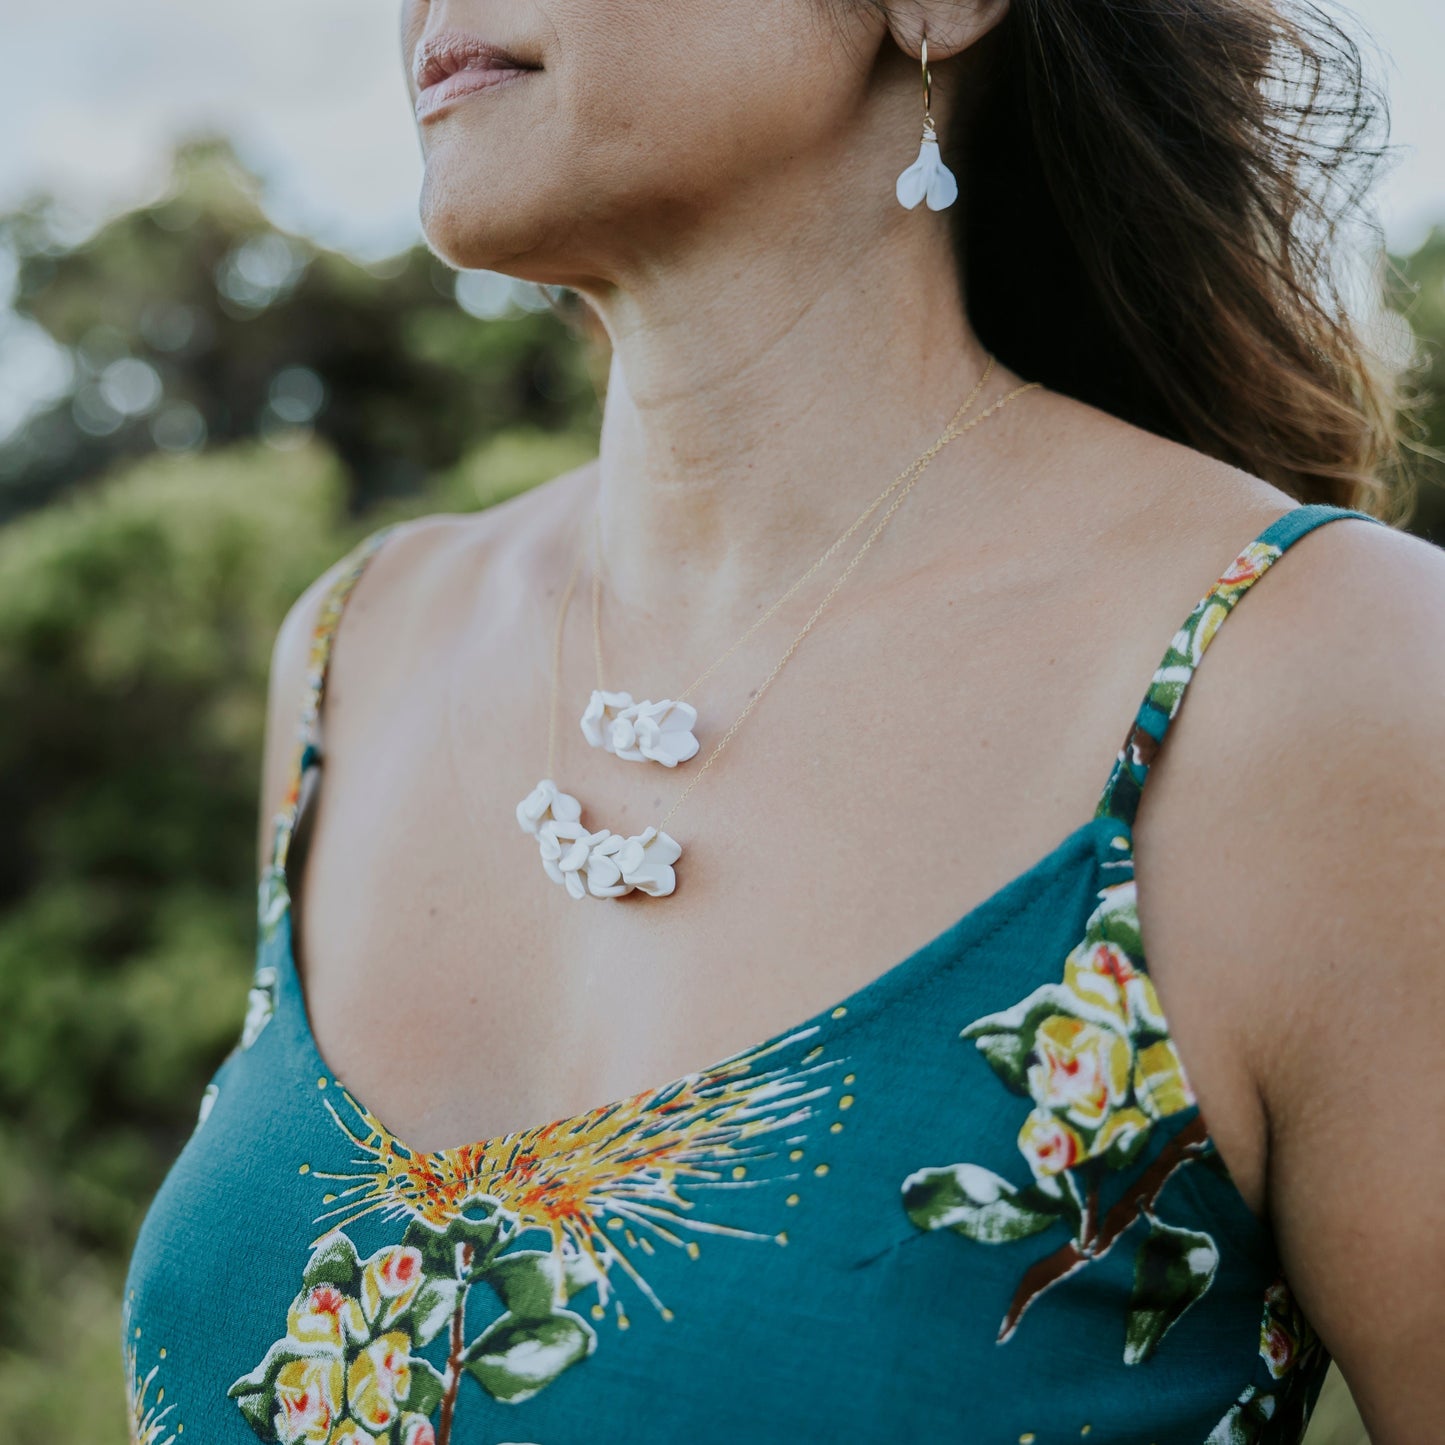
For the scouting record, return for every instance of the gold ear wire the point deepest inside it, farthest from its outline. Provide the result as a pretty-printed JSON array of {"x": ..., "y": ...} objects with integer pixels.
[{"x": 927, "y": 87}]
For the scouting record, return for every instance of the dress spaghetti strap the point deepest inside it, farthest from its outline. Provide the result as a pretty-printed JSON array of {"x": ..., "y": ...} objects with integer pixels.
[
  {"x": 308, "y": 743},
  {"x": 1122, "y": 792}
]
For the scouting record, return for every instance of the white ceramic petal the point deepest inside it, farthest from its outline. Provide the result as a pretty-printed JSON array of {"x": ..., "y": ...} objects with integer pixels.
[
  {"x": 602, "y": 708},
  {"x": 601, "y": 868},
  {"x": 604, "y": 877},
  {"x": 664, "y": 848},
  {"x": 655, "y": 880},
  {"x": 652, "y": 745},
  {"x": 566, "y": 808},
  {"x": 575, "y": 886},
  {"x": 592, "y": 720},
  {"x": 928, "y": 178},
  {"x": 942, "y": 187},
  {"x": 536, "y": 805},
  {"x": 680, "y": 717},
  {"x": 912, "y": 183}
]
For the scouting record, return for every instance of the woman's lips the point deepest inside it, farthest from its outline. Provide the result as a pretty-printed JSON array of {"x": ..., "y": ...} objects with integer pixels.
[{"x": 463, "y": 82}]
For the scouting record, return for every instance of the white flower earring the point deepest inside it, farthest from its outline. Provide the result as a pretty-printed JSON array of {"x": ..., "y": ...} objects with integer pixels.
[{"x": 927, "y": 177}]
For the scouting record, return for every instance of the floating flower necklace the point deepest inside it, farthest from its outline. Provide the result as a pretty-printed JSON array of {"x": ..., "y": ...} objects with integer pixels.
[{"x": 604, "y": 864}]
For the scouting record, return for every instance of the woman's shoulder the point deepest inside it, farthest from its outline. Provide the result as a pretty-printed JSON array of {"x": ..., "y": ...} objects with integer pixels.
[
  {"x": 397, "y": 577},
  {"x": 400, "y": 562},
  {"x": 1296, "y": 856}
]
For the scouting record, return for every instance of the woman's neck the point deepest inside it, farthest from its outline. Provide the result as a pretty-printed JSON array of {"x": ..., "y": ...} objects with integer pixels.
[{"x": 761, "y": 396}]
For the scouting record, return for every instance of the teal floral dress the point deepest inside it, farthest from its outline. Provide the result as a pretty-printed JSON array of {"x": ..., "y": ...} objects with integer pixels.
[{"x": 975, "y": 1201}]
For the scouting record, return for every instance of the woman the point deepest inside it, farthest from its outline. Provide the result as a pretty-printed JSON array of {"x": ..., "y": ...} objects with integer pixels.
[{"x": 964, "y": 1189}]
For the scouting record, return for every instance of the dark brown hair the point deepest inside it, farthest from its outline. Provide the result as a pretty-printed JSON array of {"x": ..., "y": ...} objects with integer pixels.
[
  {"x": 1156, "y": 196},
  {"x": 1155, "y": 192}
]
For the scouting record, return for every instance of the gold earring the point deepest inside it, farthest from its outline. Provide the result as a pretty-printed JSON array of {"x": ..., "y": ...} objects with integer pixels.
[{"x": 927, "y": 177}]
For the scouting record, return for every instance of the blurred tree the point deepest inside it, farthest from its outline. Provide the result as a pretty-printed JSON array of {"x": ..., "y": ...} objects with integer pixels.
[
  {"x": 137, "y": 617},
  {"x": 194, "y": 320},
  {"x": 1417, "y": 291}
]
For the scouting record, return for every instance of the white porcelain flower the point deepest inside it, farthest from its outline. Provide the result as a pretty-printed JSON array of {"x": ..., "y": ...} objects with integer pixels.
[
  {"x": 659, "y": 732},
  {"x": 566, "y": 847},
  {"x": 602, "y": 708},
  {"x": 927, "y": 177},
  {"x": 545, "y": 800},
  {"x": 602, "y": 863},
  {"x": 646, "y": 861}
]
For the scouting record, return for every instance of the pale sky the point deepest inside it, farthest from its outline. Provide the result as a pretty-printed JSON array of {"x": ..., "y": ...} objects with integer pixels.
[{"x": 92, "y": 92}]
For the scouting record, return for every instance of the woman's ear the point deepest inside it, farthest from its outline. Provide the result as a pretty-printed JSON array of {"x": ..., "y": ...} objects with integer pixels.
[{"x": 952, "y": 26}]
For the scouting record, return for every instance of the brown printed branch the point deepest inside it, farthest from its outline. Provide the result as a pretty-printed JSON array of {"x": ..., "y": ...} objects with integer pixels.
[{"x": 1186, "y": 1145}]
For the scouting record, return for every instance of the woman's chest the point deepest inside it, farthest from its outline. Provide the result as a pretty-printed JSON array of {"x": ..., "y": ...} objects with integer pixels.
[
  {"x": 972, "y": 1201},
  {"x": 425, "y": 913}
]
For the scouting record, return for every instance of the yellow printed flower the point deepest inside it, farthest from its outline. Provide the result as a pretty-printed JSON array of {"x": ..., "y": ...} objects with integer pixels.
[
  {"x": 321, "y": 1317},
  {"x": 1286, "y": 1337},
  {"x": 1159, "y": 1080},
  {"x": 1247, "y": 566},
  {"x": 389, "y": 1282},
  {"x": 379, "y": 1379},
  {"x": 1120, "y": 1130},
  {"x": 1205, "y": 629},
  {"x": 348, "y": 1432},
  {"x": 1103, "y": 975},
  {"x": 417, "y": 1430},
  {"x": 1049, "y": 1144},
  {"x": 308, "y": 1397},
  {"x": 1081, "y": 1070}
]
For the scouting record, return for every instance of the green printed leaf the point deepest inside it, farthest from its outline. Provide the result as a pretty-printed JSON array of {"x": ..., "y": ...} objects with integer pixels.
[
  {"x": 427, "y": 1388},
  {"x": 1006, "y": 1038},
  {"x": 525, "y": 1280},
  {"x": 480, "y": 1233},
  {"x": 1131, "y": 1134},
  {"x": 259, "y": 1409},
  {"x": 263, "y": 1377},
  {"x": 432, "y": 1308},
  {"x": 1117, "y": 923},
  {"x": 976, "y": 1203},
  {"x": 438, "y": 1249},
  {"x": 1246, "y": 1420},
  {"x": 255, "y": 1393},
  {"x": 513, "y": 1359},
  {"x": 1172, "y": 1268},
  {"x": 333, "y": 1262}
]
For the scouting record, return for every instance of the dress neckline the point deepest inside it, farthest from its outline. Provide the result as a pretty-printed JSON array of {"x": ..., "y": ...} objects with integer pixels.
[{"x": 1107, "y": 838}]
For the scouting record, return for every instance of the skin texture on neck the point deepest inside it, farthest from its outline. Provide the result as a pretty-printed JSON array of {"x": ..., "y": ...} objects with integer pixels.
[{"x": 784, "y": 336}]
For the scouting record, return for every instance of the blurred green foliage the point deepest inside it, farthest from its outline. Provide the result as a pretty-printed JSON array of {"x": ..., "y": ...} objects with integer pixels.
[{"x": 145, "y": 565}]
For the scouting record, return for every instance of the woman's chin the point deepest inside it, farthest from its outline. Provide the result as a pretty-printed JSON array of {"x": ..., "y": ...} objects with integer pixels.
[{"x": 468, "y": 232}]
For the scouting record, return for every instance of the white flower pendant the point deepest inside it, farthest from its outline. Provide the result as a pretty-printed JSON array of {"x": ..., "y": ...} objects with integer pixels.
[
  {"x": 603, "y": 864},
  {"x": 659, "y": 732},
  {"x": 927, "y": 177}
]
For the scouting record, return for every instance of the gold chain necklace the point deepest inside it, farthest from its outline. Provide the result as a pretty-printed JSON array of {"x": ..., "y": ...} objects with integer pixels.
[
  {"x": 661, "y": 732},
  {"x": 604, "y": 864}
]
